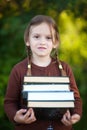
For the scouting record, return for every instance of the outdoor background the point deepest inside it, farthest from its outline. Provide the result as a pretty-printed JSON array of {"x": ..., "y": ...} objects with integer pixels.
[{"x": 71, "y": 18}]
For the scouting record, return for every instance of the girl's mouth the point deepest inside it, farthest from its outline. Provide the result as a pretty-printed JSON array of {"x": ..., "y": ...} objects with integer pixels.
[{"x": 41, "y": 48}]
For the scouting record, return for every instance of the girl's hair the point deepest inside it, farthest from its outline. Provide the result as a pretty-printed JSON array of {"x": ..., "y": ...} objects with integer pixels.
[{"x": 36, "y": 21}]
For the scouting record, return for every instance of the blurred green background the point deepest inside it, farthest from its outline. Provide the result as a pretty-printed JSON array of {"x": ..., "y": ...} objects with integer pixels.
[{"x": 71, "y": 18}]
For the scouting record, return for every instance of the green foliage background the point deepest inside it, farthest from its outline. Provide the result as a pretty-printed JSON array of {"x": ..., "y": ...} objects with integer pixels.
[{"x": 71, "y": 18}]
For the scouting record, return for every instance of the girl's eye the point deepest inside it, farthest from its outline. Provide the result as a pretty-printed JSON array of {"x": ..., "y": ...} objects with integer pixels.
[
  {"x": 36, "y": 36},
  {"x": 49, "y": 37}
]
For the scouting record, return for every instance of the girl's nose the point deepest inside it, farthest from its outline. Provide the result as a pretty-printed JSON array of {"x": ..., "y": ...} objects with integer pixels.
[{"x": 42, "y": 41}]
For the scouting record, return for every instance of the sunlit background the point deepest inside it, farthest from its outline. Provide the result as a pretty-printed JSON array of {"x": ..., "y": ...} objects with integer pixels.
[{"x": 71, "y": 18}]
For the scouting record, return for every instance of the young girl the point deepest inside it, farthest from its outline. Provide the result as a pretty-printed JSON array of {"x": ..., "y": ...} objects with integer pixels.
[{"x": 41, "y": 38}]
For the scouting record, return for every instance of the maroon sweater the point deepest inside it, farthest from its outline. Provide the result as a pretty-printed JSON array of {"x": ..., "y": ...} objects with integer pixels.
[{"x": 13, "y": 102}]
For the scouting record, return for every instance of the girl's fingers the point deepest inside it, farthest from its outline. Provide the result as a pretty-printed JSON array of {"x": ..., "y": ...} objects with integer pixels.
[
  {"x": 75, "y": 118},
  {"x": 29, "y": 116},
  {"x": 22, "y": 111},
  {"x": 68, "y": 115},
  {"x": 66, "y": 120},
  {"x": 69, "y": 120}
]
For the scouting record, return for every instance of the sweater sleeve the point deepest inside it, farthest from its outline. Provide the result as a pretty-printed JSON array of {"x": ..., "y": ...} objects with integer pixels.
[
  {"x": 12, "y": 97},
  {"x": 74, "y": 88}
]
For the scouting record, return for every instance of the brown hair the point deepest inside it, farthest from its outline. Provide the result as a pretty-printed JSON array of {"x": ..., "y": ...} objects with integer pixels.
[{"x": 36, "y": 21}]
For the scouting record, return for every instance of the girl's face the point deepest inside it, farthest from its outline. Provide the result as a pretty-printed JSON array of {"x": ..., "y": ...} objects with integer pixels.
[{"x": 40, "y": 40}]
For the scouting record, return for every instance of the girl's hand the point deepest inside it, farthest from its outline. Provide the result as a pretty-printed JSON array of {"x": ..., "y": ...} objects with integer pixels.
[
  {"x": 25, "y": 116},
  {"x": 69, "y": 120}
]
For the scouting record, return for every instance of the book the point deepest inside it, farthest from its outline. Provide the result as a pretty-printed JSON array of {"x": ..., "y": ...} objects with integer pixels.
[
  {"x": 50, "y": 96},
  {"x": 46, "y": 79},
  {"x": 51, "y": 104},
  {"x": 47, "y": 92},
  {"x": 46, "y": 87}
]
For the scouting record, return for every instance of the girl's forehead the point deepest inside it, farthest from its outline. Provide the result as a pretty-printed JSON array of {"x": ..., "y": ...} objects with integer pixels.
[{"x": 43, "y": 27}]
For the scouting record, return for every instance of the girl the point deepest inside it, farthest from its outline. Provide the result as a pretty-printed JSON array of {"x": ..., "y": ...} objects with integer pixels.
[{"x": 41, "y": 38}]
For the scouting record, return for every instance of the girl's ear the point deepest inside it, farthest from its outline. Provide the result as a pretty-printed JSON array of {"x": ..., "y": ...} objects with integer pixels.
[
  {"x": 56, "y": 45},
  {"x": 27, "y": 44}
]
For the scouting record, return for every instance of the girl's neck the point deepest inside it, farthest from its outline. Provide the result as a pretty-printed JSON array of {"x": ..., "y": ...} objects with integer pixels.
[{"x": 41, "y": 61}]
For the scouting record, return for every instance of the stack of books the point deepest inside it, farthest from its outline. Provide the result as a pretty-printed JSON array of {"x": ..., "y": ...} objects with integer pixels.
[{"x": 47, "y": 92}]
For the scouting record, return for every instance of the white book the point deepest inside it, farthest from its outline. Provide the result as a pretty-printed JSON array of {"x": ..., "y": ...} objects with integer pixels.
[
  {"x": 46, "y": 79},
  {"x": 50, "y": 96},
  {"x": 46, "y": 87},
  {"x": 39, "y": 104}
]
